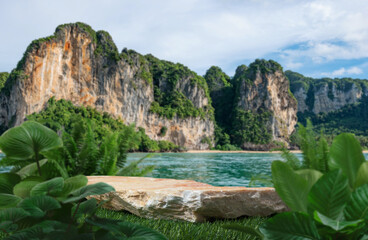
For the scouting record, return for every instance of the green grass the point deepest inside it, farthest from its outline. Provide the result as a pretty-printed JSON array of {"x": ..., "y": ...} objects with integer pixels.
[{"x": 180, "y": 230}]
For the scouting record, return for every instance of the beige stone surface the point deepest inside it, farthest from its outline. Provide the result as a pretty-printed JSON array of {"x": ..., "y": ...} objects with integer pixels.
[{"x": 186, "y": 199}]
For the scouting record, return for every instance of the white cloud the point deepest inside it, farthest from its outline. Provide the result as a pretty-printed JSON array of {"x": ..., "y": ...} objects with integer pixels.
[
  {"x": 199, "y": 33},
  {"x": 343, "y": 71}
]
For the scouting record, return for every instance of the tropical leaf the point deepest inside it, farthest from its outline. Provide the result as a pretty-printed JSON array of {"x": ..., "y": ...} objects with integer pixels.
[
  {"x": 85, "y": 208},
  {"x": 71, "y": 184},
  {"x": 290, "y": 226},
  {"x": 290, "y": 159},
  {"x": 37, "y": 206},
  {"x": 357, "y": 207},
  {"x": 27, "y": 140},
  {"x": 8, "y": 181},
  {"x": 89, "y": 190},
  {"x": 346, "y": 154},
  {"x": 8, "y": 226},
  {"x": 23, "y": 189},
  {"x": 310, "y": 175},
  {"x": 134, "y": 170},
  {"x": 8, "y": 200},
  {"x": 362, "y": 175},
  {"x": 49, "y": 187},
  {"x": 12, "y": 214},
  {"x": 329, "y": 195},
  {"x": 336, "y": 225},
  {"x": 30, "y": 169},
  {"x": 294, "y": 193}
]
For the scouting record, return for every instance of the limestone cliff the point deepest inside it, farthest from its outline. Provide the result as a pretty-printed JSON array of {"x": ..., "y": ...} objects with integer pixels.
[
  {"x": 325, "y": 95},
  {"x": 84, "y": 66},
  {"x": 254, "y": 109},
  {"x": 263, "y": 94}
]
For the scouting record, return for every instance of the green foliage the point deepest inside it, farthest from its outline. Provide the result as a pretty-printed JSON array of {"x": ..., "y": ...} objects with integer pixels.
[
  {"x": 48, "y": 213},
  {"x": 13, "y": 76},
  {"x": 216, "y": 79},
  {"x": 177, "y": 105},
  {"x": 163, "y": 131},
  {"x": 298, "y": 81},
  {"x": 170, "y": 99},
  {"x": 62, "y": 115},
  {"x": 265, "y": 66},
  {"x": 335, "y": 209},
  {"x": 106, "y": 46},
  {"x": 183, "y": 230},
  {"x": 329, "y": 205},
  {"x": 207, "y": 140},
  {"x": 350, "y": 118},
  {"x": 250, "y": 127},
  {"x": 34, "y": 208},
  {"x": 3, "y": 77},
  {"x": 310, "y": 98},
  {"x": 35, "y": 139},
  {"x": 222, "y": 95}
]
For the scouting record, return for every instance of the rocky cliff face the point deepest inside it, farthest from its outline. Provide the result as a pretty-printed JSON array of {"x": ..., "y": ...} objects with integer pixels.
[
  {"x": 263, "y": 90},
  {"x": 83, "y": 66},
  {"x": 325, "y": 95}
]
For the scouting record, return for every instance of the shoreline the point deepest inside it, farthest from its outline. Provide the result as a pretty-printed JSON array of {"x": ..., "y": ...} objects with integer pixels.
[
  {"x": 238, "y": 151},
  {"x": 244, "y": 151}
]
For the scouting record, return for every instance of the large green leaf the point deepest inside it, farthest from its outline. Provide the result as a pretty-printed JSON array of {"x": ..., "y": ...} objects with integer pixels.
[
  {"x": 27, "y": 140},
  {"x": 12, "y": 214},
  {"x": 8, "y": 200},
  {"x": 330, "y": 194},
  {"x": 8, "y": 181},
  {"x": 85, "y": 208},
  {"x": 71, "y": 184},
  {"x": 357, "y": 207},
  {"x": 310, "y": 175},
  {"x": 294, "y": 193},
  {"x": 336, "y": 225},
  {"x": 346, "y": 154},
  {"x": 37, "y": 206},
  {"x": 89, "y": 190},
  {"x": 362, "y": 175},
  {"x": 30, "y": 169},
  {"x": 23, "y": 189},
  {"x": 290, "y": 226},
  {"x": 49, "y": 187}
]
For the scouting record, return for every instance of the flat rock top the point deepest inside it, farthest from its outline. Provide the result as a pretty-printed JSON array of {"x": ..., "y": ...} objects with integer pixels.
[{"x": 152, "y": 184}]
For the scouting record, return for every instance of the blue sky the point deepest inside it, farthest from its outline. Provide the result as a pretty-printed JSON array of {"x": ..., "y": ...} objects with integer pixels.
[{"x": 316, "y": 38}]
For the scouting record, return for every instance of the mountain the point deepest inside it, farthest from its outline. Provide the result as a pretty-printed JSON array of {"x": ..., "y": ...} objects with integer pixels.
[
  {"x": 323, "y": 95},
  {"x": 255, "y": 108},
  {"x": 85, "y": 67}
]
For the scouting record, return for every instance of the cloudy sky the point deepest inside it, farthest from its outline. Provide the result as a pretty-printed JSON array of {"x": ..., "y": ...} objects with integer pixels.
[{"x": 316, "y": 38}]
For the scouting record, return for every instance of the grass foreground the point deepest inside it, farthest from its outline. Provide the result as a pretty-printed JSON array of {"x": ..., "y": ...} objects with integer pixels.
[{"x": 181, "y": 230}]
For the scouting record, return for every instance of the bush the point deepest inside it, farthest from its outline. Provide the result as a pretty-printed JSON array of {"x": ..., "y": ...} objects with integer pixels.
[
  {"x": 327, "y": 204},
  {"x": 62, "y": 116},
  {"x": 33, "y": 206},
  {"x": 163, "y": 131}
]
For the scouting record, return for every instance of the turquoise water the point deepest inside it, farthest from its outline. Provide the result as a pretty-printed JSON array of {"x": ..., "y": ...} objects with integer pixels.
[{"x": 218, "y": 169}]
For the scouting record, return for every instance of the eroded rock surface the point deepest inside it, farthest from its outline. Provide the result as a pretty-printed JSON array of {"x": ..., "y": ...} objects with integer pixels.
[
  {"x": 186, "y": 199},
  {"x": 83, "y": 66}
]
